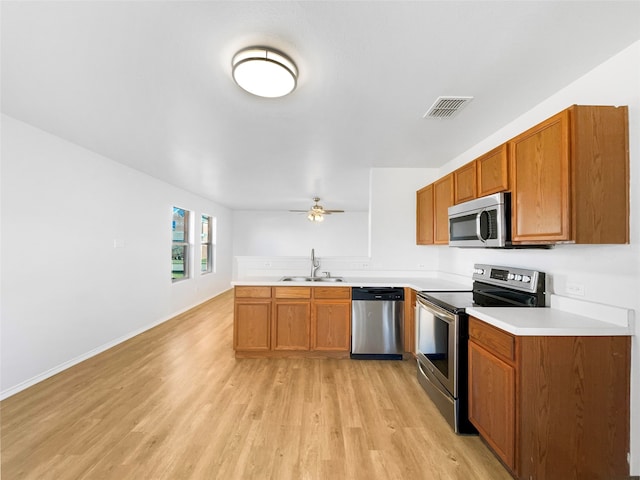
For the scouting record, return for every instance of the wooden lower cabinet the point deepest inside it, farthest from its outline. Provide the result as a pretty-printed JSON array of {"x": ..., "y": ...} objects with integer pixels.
[
  {"x": 409, "y": 320},
  {"x": 291, "y": 325},
  {"x": 551, "y": 407},
  {"x": 285, "y": 321},
  {"x": 331, "y": 326},
  {"x": 492, "y": 401},
  {"x": 252, "y": 319}
]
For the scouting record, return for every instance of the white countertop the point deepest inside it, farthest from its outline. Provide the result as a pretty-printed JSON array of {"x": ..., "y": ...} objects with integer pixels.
[
  {"x": 565, "y": 317},
  {"x": 418, "y": 283}
]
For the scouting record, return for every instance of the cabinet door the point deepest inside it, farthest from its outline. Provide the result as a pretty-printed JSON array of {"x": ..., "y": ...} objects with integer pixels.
[
  {"x": 540, "y": 182},
  {"x": 331, "y": 326},
  {"x": 291, "y": 325},
  {"x": 424, "y": 216},
  {"x": 409, "y": 320},
  {"x": 252, "y": 321},
  {"x": 464, "y": 183},
  {"x": 493, "y": 171},
  {"x": 442, "y": 200},
  {"x": 492, "y": 401}
]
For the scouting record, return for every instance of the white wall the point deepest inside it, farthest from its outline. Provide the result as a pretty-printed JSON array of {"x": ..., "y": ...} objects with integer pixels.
[
  {"x": 378, "y": 242},
  {"x": 393, "y": 220},
  {"x": 610, "y": 274},
  {"x": 67, "y": 293},
  {"x": 269, "y": 233}
]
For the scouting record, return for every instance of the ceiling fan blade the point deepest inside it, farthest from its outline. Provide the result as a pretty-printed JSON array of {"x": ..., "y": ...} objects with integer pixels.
[
  {"x": 334, "y": 211},
  {"x": 299, "y": 211}
]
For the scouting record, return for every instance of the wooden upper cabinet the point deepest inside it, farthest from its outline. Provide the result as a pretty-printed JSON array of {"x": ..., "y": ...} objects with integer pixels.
[
  {"x": 492, "y": 171},
  {"x": 442, "y": 200},
  {"x": 600, "y": 177},
  {"x": 570, "y": 178},
  {"x": 540, "y": 182},
  {"x": 424, "y": 216},
  {"x": 464, "y": 183}
]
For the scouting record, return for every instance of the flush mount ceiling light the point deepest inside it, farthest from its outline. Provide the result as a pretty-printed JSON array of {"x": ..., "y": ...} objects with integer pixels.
[{"x": 264, "y": 72}]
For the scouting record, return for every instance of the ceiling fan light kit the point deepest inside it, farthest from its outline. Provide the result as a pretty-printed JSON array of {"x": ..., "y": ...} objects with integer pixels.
[
  {"x": 317, "y": 212},
  {"x": 315, "y": 217},
  {"x": 264, "y": 72}
]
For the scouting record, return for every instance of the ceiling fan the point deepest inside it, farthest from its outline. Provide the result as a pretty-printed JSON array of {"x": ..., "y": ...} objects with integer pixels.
[{"x": 317, "y": 212}]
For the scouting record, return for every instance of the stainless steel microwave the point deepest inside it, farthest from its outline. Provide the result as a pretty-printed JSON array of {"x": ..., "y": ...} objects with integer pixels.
[{"x": 483, "y": 222}]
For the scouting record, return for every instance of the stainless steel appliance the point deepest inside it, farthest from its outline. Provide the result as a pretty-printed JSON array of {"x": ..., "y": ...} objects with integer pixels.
[
  {"x": 483, "y": 222},
  {"x": 377, "y": 323},
  {"x": 443, "y": 330}
]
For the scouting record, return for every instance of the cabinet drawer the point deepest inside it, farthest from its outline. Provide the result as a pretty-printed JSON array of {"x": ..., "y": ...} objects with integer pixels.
[
  {"x": 493, "y": 339},
  {"x": 292, "y": 292},
  {"x": 342, "y": 293},
  {"x": 253, "y": 292}
]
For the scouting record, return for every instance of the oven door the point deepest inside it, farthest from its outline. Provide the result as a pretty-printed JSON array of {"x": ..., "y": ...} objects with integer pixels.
[{"x": 437, "y": 344}]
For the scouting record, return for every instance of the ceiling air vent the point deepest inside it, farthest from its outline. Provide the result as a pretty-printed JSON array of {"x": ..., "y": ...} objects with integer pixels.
[{"x": 447, "y": 107}]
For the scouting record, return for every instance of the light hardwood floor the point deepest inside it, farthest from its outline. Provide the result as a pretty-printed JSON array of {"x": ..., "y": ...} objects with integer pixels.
[{"x": 174, "y": 403}]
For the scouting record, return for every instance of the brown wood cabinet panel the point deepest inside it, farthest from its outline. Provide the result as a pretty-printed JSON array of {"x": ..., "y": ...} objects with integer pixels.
[
  {"x": 292, "y": 292},
  {"x": 575, "y": 407},
  {"x": 424, "y": 216},
  {"x": 492, "y": 171},
  {"x": 464, "y": 183},
  {"x": 442, "y": 200},
  {"x": 492, "y": 401},
  {"x": 409, "y": 320},
  {"x": 540, "y": 182},
  {"x": 497, "y": 341},
  {"x": 600, "y": 177},
  {"x": 331, "y": 326},
  {"x": 252, "y": 320},
  {"x": 570, "y": 403},
  {"x": 569, "y": 178},
  {"x": 291, "y": 325},
  {"x": 343, "y": 293},
  {"x": 252, "y": 292}
]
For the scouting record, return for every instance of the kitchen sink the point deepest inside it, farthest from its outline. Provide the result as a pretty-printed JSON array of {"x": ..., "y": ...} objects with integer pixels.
[{"x": 312, "y": 279}]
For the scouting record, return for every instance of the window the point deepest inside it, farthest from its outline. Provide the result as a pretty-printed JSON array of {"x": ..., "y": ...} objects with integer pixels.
[
  {"x": 180, "y": 254},
  {"x": 207, "y": 244}
]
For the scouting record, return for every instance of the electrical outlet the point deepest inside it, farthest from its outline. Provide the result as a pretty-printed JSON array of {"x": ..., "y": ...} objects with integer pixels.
[
  {"x": 267, "y": 264},
  {"x": 575, "y": 289},
  {"x": 422, "y": 265}
]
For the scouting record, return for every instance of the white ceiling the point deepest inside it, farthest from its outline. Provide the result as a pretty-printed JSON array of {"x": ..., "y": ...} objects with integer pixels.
[{"x": 148, "y": 84}]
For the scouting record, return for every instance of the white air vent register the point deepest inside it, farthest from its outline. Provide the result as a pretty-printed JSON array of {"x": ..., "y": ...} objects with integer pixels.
[{"x": 447, "y": 107}]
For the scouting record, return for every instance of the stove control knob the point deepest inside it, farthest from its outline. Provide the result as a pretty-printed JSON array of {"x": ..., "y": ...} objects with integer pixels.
[
  {"x": 526, "y": 278},
  {"x": 510, "y": 276},
  {"x": 518, "y": 277},
  {"x": 479, "y": 271}
]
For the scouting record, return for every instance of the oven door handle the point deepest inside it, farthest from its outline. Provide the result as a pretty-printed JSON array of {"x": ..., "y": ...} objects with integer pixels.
[{"x": 434, "y": 309}]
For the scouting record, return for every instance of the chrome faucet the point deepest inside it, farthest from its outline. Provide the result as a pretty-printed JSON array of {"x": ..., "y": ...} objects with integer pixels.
[{"x": 315, "y": 263}]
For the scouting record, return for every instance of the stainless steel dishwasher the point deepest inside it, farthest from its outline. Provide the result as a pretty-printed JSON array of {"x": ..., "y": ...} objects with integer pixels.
[{"x": 377, "y": 323}]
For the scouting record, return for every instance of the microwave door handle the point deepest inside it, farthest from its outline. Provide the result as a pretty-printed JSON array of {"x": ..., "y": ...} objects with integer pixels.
[{"x": 479, "y": 227}]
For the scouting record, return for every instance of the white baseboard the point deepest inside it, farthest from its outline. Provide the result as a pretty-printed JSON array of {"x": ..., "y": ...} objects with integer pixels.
[{"x": 92, "y": 353}]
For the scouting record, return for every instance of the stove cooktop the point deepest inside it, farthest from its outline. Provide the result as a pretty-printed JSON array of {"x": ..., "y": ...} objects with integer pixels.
[{"x": 455, "y": 302}]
